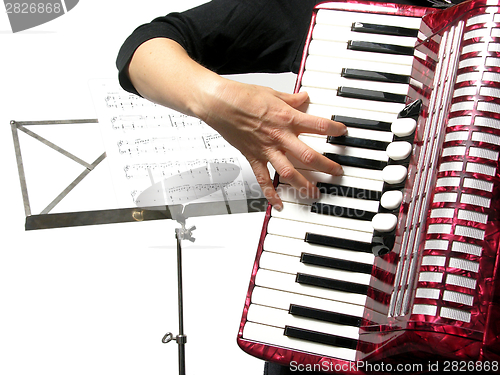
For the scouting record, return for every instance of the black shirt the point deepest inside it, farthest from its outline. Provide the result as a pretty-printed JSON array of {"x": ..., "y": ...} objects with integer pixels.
[{"x": 234, "y": 36}]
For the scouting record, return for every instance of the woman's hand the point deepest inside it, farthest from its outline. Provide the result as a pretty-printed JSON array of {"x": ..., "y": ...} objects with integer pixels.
[{"x": 262, "y": 123}]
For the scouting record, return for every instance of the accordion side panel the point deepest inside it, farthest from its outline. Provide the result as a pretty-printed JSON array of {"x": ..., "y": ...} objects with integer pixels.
[{"x": 446, "y": 289}]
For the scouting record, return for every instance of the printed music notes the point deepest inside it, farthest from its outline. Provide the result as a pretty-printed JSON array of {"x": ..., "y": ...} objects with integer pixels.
[{"x": 158, "y": 156}]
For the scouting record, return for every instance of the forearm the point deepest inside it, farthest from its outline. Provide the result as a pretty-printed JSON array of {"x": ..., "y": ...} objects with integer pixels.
[{"x": 162, "y": 72}]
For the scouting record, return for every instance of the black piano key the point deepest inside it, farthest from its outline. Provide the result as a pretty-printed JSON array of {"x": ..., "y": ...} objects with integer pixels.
[
  {"x": 368, "y": 75},
  {"x": 338, "y": 264},
  {"x": 359, "y": 45},
  {"x": 325, "y": 316},
  {"x": 349, "y": 191},
  {"x": 411, "y": 110},
  {"x": 383, "y": 243},
  {"x": 361, "y": 123},
  {"x": 372, "y": 28},
  {"x": 320, "y": 337},
  {"x": 358, "y": 142},
  {"x": 379, "y": 96},
  {"x": 327, "y": 283},
  {"x": 352, "y": 161},
  {"x": 339, "y": 211},
  {"x": 341, "y": 243}
]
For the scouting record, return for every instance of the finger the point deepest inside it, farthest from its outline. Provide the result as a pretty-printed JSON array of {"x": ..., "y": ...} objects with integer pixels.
[
  {"x": 288, "y": 174},
  {"x": 312, "y": 159},
  {"x": 263, "y": 179},
  {"x": 293, "y": 100},
  {"x": 305, "y": 123}
]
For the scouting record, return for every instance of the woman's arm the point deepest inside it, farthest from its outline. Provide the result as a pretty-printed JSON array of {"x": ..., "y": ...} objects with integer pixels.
[{"x": 260, "y": 122}]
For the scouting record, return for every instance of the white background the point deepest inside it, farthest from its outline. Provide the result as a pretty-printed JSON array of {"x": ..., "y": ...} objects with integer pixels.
[{"x": 97, "y": 300}]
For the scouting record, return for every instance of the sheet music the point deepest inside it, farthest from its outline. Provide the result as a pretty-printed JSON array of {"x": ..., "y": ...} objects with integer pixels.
[{"x": 159, "y": 156}]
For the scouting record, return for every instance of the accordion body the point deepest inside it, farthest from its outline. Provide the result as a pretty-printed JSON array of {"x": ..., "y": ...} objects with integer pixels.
[{"x": 436, "y": 294}]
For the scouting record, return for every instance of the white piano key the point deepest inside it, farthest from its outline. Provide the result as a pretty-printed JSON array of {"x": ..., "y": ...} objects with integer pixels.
[
  {"x": 334, "y": 81},
  {"x": 339, "y": 50},
  {"x": 384, "y": 222},
  {"x": 375, "y": 135},
  {"x": 336, "y": 64},
  {"x": 295, "y": 247},
  {"x": 286, "y": 282},
  {"x": 346, "y": 18},
  {"x": 345, "y": 180},
  {"x": 344, "y": 34},
  {"x": 302, "y": 213},
  {"x": 391, "y": 200},
  {"x": 394, "y": 174},
  {"x": 403, "y": 127},
  {"x": 329, "y": 97},
  {"x": 298, "y": 230},
  {"x": 281, "y": 318},
  {"x": 322, "y": 146},
  {"x": 292, "y": 265},
  {"x": 274, "y": 336},
  {"x": 289, "y": 194},
  {"x": 283, "y": 300},
  {"x": 399, "y": 150},
  {"x": 369, "y": 174},
  {"x": 327, "y": 111}
]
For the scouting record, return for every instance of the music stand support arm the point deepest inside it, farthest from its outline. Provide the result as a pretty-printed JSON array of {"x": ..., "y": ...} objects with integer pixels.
[{"x": 181, "y": 339}]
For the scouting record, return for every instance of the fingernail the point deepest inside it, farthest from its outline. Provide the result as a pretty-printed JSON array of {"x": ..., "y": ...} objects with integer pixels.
[
  {"x": 338, "y": 171},
  {"x": 278, "y": 207}
]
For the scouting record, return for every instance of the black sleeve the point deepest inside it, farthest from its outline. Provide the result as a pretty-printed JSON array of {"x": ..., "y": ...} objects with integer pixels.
[
  {"x": 231, "y": 36},
  {"x": 234, "y": 36}
]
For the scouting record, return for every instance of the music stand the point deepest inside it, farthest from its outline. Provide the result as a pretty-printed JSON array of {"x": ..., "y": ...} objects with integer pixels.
[{"x": 47, "y": 220}]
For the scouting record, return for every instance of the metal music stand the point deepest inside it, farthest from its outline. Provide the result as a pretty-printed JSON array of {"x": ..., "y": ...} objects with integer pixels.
[{"x": 47, "y": 220}]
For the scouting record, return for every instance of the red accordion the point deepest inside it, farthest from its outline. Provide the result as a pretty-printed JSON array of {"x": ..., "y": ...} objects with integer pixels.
[{"x": 397, "y": 262}]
